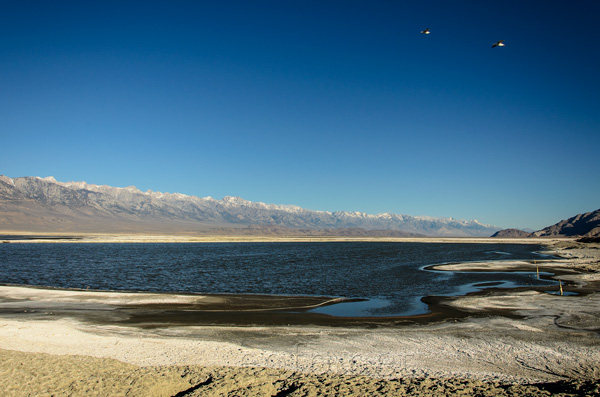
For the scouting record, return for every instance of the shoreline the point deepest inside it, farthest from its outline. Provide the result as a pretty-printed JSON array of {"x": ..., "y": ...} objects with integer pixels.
[
  {"x": 29, "y": 237},
  {"x": 501, "y": 337},
  {"x": 247, "y": 309}
]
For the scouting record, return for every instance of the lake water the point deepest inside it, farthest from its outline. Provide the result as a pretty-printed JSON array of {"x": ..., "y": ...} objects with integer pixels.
[{"x": 390, "y": 276}]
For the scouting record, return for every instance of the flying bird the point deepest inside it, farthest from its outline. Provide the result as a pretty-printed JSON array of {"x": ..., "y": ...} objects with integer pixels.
[
  {"x": 426, "y": 31},
  {"x": 498, "y": 44}
]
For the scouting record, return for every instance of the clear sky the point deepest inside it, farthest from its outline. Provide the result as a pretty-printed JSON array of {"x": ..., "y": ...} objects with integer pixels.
[{"x": 329, "y": 105}]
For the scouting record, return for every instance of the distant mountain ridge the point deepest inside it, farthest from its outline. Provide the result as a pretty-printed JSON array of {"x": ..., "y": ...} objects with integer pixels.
[{"x": 44, "y": 204}]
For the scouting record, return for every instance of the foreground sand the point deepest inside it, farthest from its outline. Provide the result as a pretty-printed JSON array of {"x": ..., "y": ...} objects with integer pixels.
[
  {"x": 41, "y": 374},
  {"x": 502, "y": 342}
]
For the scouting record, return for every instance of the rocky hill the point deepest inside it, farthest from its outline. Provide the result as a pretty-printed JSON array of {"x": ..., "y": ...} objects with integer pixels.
[
  {"x": 44, "y": 205},
  {"x": 582, "y": 225},
  {"x": 511, "y": 233},
  {"x": 587, "y": 225}
]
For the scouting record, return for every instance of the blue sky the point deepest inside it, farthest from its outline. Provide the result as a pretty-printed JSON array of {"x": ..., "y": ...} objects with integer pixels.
[{"x": 329, "y": 105}]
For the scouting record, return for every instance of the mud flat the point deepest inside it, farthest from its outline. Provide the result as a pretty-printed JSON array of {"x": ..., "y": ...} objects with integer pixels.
[{"x": 493, "y": 342}]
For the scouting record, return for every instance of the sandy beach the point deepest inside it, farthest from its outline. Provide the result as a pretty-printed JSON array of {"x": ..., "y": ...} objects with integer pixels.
[{"x": 523, "y": 341}]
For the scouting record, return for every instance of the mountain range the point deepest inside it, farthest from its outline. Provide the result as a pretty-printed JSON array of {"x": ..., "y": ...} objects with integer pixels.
[{"x": 45, "y": 205}]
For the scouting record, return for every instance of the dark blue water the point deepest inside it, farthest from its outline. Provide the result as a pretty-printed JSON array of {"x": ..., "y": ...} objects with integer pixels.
[{"x": 389, "y": 275}]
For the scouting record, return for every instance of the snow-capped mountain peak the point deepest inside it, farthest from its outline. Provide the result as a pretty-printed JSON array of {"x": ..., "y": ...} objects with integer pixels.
[{"x": 101, "y": 203}]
